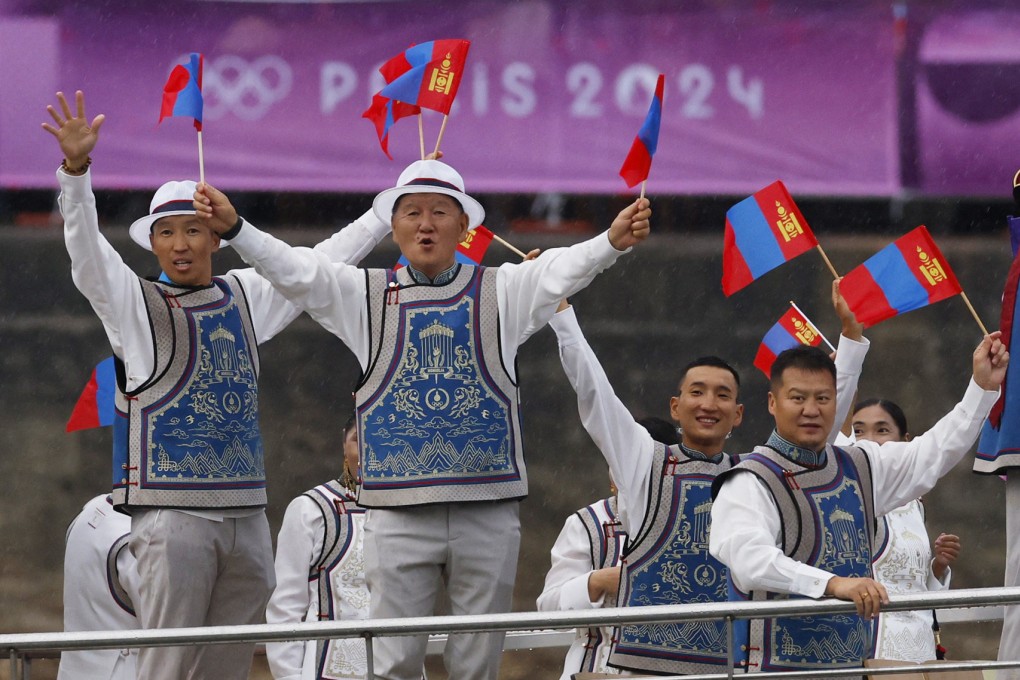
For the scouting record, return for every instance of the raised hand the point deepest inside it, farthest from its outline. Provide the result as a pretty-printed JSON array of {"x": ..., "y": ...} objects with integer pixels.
[
  {"x": 852, "y": 329},
  {"x": 946, "y": 549},
  {"x": 76, "y": 136},
  {"x": 212, "y": 205},
  {"x": 631, "y": 226},
  {"x": 990, "y": 361}
]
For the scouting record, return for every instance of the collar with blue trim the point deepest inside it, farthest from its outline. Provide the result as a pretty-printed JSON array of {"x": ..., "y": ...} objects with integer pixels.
[
  {"x": 798, "y": 454},
  {"x": 442, "y": 278},
  {"x": 694, "y": 453}
]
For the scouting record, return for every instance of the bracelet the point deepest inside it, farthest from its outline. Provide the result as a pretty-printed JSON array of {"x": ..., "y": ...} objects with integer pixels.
[
  {"x": 232, "y": 232},
  {"x": 76, "y": 171}
]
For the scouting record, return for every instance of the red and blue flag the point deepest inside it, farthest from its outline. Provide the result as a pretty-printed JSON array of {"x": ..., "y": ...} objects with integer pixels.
[
  {"x": 384, "y": 113},
  {"x": 435, "y": 70},
  {"x": 638, "y": 162},
  {"x": 182, "y": 94},
  {"x": 469, "y": 251},
  {"x": 94, "y": 407},
  {"x": 908, "y": 274},
  {"x": 763, "y": 231},
  {"x": 792, "y": 329}
]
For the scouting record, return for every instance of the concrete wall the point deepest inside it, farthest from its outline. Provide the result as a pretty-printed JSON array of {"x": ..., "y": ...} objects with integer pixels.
[{"x": 659, "y": 307}]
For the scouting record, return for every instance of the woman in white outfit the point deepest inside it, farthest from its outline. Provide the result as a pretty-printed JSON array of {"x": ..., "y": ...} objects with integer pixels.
[{"x": 905, "y": 563}]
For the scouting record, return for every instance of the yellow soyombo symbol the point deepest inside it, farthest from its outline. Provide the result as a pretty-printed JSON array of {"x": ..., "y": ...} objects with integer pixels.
[
  {"x": 789, "y": 225},
  {"x": 442, "y": 77},
  {"x": 805, "y": 333},
  {"x": 931, "y": 268}
]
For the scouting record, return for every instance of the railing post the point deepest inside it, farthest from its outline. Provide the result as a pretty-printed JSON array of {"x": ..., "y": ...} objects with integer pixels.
[
  {"x": 730, "y": 652},
  {"x": 369, "y": 658},
  {"x": 14, "y": 663},
  {"x": 26, "y": 668}
]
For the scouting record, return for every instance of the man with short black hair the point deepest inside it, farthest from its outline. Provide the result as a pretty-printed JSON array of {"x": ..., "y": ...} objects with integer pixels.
[
  {"x": 664, "y": 500},
  {"x": 796, "y": 518}
]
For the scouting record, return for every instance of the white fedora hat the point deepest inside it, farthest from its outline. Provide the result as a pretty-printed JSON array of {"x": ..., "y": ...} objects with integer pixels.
[
  {"x": 173, "y": 198},
  {"x": 429, "y": 177}
]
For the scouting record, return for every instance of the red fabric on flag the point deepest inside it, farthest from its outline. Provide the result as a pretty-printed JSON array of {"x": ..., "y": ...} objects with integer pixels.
[
  {"x": 736, "y": 273},
  {"x": 476, "y": 243},
  {"x": 638, "y": 162},
  {"x": 85, "y": 414},
  {"x": 778, "y": 207}
]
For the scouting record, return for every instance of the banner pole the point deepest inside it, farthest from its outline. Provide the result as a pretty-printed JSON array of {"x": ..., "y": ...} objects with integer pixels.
[
  {"x": 497, "y": 237},
  {"x": 442, "y": 129},
  {"x": 820, "y": 334},
  {"x": 421, "y": 136},
  {"x": 201, "y": 160},
  {"x": 827, "y": 262},
  {"x": 973, "y": 313}
]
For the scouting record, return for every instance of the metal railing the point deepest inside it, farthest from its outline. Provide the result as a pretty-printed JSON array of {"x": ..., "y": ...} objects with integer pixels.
[{"x": 17, "y": 646}]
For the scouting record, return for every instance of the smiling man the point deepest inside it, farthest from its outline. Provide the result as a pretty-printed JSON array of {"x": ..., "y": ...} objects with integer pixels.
[
  {"x": 188, "y": 456},
  {"x": 796, "y": 518},
  {"x": 442, "y": 462},
  {"x": 665, "y": 494}
]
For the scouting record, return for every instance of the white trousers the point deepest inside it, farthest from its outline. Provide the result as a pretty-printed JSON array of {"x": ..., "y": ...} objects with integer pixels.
[
  {"x": 411, "y": 553},
  {"x": 1009, "y": 643},
  {"x": 199, "y": 572}
]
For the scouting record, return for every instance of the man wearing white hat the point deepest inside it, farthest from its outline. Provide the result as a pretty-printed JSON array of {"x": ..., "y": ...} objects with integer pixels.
[
  {"x": 188, "y": 456},
  {"x": 442, "y": 464}
]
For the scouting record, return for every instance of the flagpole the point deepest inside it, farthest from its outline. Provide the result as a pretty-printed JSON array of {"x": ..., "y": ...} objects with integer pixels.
[
  {"x": 832, "y": 269},
  {"x": 643, "y": 183},
  {"x": 825, "y": 339},
  {"x": 421, "y": 136},
  {"x": 973, "y": 313},
  {"x": 442, "y": 129},
  {"x": 497, "y": 237},
  {"x": 201, "y": 160}
]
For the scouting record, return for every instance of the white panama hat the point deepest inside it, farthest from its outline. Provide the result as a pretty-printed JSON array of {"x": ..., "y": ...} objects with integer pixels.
[
  {"x": 428, "y": 177},
  {"x": 173, "y": 198}
]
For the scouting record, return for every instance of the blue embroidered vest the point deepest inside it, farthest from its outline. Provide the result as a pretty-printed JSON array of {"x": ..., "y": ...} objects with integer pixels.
[
  {"x": 438, "y": 416},
  {"x": 607, "y": 541},
  {"x": 189, "y": 436},
  {"x": 668, "y": 563},
  {"x": 828, "y": 520},
  {"x": 341, "y": 548}
]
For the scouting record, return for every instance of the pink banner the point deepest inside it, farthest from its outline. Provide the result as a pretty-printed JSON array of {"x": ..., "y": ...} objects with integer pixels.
[{"x": 552, "y": 97}]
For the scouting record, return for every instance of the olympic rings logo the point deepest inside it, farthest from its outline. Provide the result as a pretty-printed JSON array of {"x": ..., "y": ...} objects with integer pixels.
[{"x": 232, "y": 84}]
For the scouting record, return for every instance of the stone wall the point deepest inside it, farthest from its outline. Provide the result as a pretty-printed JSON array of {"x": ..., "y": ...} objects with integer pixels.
[{"x": 646, "y": 317}]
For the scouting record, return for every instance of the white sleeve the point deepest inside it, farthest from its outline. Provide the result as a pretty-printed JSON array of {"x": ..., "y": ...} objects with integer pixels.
[
  {"x": 270, "y": 309},
  {"x": 102, "y": 277},
  {"x": 298, "y": 547},
  {"x": 529, "y": 292},
  {"x": 333, "y": 293},
  {"x": 904, "y": 471},
  {"x": 745, "y": 536},
  {"x": 566, "y": 584},
  {"x": 626, "y": 446},
  {"x": 849, "y": 364},
  {"x": 933, "y": 584}
]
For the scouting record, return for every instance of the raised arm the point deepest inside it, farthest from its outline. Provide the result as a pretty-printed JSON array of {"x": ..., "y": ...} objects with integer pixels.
[
  {"x": 904, "y": 471},
  {"x": 333, "y": 293},
  {"x": 626, "y": 446},
  {"x": 850, "y": 353}
]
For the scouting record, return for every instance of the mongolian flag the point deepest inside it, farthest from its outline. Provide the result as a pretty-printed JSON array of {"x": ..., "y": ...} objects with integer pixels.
[
  {"x": 182, "y": 94},
  {"x": 469, "y": 251},
  {"x": 763, "y": 231},
  {"x": 792, "y": 329},
  {"x": 908, "y": 274},
  {"x": 434, "y": 76},
  {"x": 384, "y": 113},
  {"x": 95, "y": 405},
  {"x": 638, "y": 162}
]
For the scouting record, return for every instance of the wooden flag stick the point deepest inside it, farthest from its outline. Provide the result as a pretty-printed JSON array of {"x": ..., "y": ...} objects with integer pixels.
[
  {"x": 442, "y": 129},
  {"x": 974, "y": 313},
  {"x": 827, "y": 263},
  {"x": 513, "y": 248},
  {"x": 421, "y": 136},
  {"x": 201, "y": 160},
  {"x": 825, "y": 339},
  {"x": 643, "y": 183}
]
